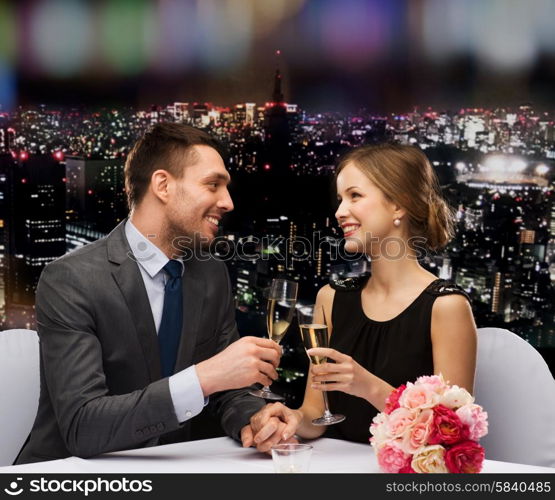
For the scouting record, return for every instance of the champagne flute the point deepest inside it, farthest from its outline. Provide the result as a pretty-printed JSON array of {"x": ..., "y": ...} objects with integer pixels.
[
  {"x": 314, "y": 332},
  {"x": 282, "y": 296}
]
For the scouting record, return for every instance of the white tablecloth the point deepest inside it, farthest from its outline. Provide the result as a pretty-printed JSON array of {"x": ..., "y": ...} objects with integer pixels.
[{"x": 225, "y": 455}]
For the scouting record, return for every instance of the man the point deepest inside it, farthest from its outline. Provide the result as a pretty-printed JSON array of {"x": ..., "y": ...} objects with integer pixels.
[{"x": 137, "y": 334}]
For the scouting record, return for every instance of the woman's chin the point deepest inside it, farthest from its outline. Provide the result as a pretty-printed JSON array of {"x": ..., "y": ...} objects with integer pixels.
[{"x": 353, "y": 245}]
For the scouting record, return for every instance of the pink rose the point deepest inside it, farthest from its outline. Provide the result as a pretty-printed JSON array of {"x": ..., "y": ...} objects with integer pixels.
[
  {"x": 399, "y": 420},
  {"x": 392, "y": 401},
  {"x": 391, "y": 458},
  {"x": 466, "y": 457},
  {"x": 419, "y": 396},
  {"x": 475, "y": 418},
  {"x": 407, "y": 468},
  {"x": 447, "y": 427},
  {"x": 417, "y": 435},
  {"x": 435, "y": 381}
]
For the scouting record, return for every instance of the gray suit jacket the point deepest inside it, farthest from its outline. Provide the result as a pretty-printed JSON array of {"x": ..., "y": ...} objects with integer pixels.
[{"x": 101, "y": 387}]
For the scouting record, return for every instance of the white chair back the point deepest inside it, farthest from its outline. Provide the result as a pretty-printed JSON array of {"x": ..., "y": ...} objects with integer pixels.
[
  {"x": 514, "y": 385},
  {"x": 19, "y": 389}
]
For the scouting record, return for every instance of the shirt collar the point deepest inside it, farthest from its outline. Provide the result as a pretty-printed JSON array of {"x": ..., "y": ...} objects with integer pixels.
[{"x": 145, "y": 253}]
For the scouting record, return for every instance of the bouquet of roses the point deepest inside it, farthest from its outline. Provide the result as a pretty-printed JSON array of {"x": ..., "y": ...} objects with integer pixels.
[{"x": 429, "y": 426}]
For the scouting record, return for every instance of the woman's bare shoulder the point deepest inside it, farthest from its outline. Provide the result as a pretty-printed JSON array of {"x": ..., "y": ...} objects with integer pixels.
[{"x": 325, "y": 295}]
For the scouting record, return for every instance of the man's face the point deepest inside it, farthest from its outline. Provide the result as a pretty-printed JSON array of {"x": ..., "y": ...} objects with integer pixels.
[{"x": 200, "y": 198}]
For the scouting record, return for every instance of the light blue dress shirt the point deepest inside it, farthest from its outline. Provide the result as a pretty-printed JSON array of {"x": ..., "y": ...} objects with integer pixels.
[{"x": 185, "y": 389}]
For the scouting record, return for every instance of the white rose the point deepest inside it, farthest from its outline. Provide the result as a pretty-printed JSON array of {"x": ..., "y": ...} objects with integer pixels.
[
  {"x": 429, "y": 459},
  {"x": 378, "y": 429},
  {"x": 455, "y": 397}
]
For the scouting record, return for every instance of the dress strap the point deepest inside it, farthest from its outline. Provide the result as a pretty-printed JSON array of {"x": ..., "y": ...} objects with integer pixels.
[
  {"x": 441, "y": 287},
  {"x": 350, "y": 284}
]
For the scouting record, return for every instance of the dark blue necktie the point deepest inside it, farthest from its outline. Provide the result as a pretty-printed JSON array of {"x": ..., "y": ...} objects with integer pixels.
[{"x": 172, "y": 318}]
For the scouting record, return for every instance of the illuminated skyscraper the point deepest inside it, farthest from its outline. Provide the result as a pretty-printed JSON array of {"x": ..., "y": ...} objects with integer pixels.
[
  {"x": 552, "y": 222},
  {"x": 181, "y": 111},
  {"x": 7, "y": 137},
  {"x": 95, "y": 193},
  {"x": 240, "y": 114},
  {"x": 501, "y": 296},
  {"x": 33, "y": 217},
  {"x": 3, "y": 241},
  {"x": 250, "y": 113},
  {"x": 276, "y": 127},
  {"x": 527, "y": 236}
]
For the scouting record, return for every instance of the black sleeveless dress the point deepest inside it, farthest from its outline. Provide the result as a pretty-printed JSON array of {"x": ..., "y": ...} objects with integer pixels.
[{"x": 398, "y": 350}]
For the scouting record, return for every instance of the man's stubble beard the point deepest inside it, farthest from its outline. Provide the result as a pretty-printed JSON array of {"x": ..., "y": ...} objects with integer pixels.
[{"x": 182, "y": 239}]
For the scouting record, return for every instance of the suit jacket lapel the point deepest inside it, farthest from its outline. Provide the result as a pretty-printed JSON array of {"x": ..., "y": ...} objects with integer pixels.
[
  {"x": 128, "y": 277},
  {"x": 193, "y": 301}
]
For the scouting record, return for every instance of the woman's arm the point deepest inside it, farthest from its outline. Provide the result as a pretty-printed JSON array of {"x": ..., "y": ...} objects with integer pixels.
[
  {"x": 344, "y": 375},
  {"x": 454, "y": 340}
]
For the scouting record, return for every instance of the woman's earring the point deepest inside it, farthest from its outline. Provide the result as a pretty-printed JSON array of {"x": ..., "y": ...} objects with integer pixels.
[{"x": 397, "y": 222}]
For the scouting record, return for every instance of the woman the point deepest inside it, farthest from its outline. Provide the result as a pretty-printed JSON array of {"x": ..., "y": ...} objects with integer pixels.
[{"x": 402, "y": 322}]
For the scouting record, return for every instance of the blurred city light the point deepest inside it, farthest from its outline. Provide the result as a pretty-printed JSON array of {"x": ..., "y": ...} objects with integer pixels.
[
  {"x": 494, "y": 164},
  {"x": 517, "y": 165},
  {"x": 354, "y": 32},
  {"x": 503, "y": 34},
  {"x": 542, "y": 169},
  {"x": 61, "y": 37},
  {"x": 8, "y": 33},
  {"x": 65, "y": 37},
  {"x": 175, "y": 49},
  {"x": 223, "y": 33},
  {"x": 128, "y": 35}
]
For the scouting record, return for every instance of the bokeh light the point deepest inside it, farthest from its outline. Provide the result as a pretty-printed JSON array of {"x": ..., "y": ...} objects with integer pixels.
[
  {"x": 61, "y": 36},
  {"x": 128, "y": 34},
  {"x": 505, "y": 38},
  {"x": 8, "y": 32},
  {"x": 542, "y": 169},
  {"x": 175, "y": 48},
  {"x": 393, "y": 51},
  {"x": 7, "y": 56},
  {"x": 224, "y": 32},
  {"x": 354, "y": 32},
  {"x": 267, "y": 16}
]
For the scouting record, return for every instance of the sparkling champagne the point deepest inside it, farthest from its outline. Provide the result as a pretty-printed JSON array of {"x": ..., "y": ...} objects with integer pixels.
[
  {"x": 315, "y": 335},
  {"x": 278, "y": 317}
]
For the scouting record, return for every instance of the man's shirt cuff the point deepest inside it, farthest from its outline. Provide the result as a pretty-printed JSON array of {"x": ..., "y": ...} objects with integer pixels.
[{"x": 186, "y": 393}]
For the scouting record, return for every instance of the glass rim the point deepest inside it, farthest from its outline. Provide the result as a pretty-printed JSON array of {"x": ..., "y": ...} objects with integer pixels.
[{"x": 291, "y": 446}]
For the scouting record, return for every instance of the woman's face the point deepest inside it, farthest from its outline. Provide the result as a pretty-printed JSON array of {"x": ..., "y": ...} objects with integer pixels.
[{"x": 364, "y": 214}]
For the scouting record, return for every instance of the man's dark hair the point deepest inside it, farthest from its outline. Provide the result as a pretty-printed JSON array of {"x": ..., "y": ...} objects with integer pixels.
[{"x": 162, "y": 146}]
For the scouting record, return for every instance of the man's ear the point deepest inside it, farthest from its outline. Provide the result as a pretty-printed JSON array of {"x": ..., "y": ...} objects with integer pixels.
[{"x": 160, "y": 184}]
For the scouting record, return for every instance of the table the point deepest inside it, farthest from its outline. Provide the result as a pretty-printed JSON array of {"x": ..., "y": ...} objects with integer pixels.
[{"x": 223, "y": 455}]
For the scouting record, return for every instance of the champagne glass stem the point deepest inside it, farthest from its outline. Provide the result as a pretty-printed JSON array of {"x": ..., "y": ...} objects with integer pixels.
[{"x": 327, "y": 412}]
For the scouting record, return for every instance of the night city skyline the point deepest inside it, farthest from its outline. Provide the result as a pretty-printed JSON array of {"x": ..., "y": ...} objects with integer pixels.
[
  {"x": 61, "y": 181},
  {"x": 470, "y": 83}
]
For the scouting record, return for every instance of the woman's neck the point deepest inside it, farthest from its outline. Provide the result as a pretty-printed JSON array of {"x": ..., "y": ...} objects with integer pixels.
[{"x": 393, "y": 274}]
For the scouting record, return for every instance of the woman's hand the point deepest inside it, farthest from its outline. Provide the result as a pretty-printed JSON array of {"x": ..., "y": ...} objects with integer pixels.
[
  {"x": 273, "y": 424},
  {"x": 344, "y": 375}
]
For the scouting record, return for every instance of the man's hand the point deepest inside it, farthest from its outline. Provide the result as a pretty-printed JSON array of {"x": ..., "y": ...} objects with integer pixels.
[
  {"x": 273, "y": 424},
  {"x": 247, "y": 361}
]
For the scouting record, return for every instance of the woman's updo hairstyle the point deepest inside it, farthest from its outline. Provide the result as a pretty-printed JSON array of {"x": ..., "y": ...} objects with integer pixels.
[{"x": 405, "y": 176}]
